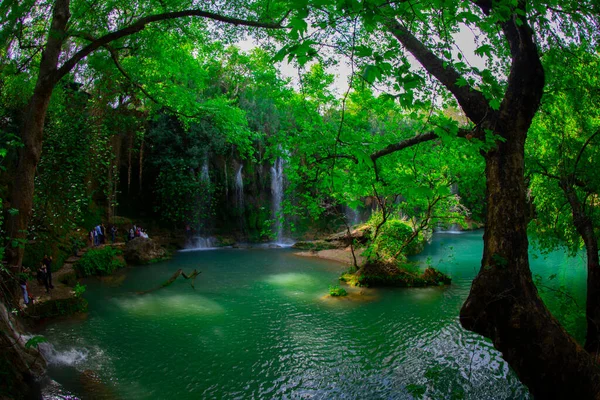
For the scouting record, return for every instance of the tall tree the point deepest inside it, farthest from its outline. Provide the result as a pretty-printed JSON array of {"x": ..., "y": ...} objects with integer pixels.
[
  {"x": 563, "y": 155},
  {"x": 500, "y": 101}
]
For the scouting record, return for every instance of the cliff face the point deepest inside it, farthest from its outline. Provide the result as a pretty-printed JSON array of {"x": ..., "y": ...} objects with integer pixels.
[{"x": 21, "y": 368}]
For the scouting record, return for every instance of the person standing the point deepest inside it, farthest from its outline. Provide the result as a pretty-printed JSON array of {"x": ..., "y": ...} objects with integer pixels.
[
  {"x": 113, "y": 232},
  {"x": 42, "y": 277},
  {"x": 103, "y": 229},
  {"x": 48, "y": 263},
  {"x": 98, "y": 234},
  {"x": 23, "y": 282}
]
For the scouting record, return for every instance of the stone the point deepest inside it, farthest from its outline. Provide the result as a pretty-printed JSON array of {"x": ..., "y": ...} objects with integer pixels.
[{"x": 143, "y": 251}]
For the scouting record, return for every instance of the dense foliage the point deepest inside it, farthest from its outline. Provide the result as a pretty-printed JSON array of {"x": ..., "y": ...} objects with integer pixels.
[
  {"x": 99, "y": 262},
  {"x": 98, "y": 107}
]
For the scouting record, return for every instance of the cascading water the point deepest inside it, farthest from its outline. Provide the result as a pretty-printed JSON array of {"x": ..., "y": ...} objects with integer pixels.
[
  {"x": 201, "y": 243},
  {"x": 277, "y": 195},
  {"x": 352, "y": 216},
  {"x": 204, "y": 201},
  {"x": 204, "y": 175},
  {"x": 239, "y": 188}
]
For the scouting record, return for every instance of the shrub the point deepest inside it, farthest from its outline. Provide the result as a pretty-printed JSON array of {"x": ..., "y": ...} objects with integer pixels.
[
  {"x": 101, "y": 261},
  {"x": 336, "y": 291},
  {"x": 79, "y": 289},
  {"x": 390, "y": 238}
]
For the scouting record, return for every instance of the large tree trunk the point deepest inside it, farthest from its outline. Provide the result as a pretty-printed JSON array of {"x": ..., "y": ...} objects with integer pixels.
[
  {"x": 585, "y": 228},
  {"x": 504, "y": 305},
  {"x": 21, "y": 194}
]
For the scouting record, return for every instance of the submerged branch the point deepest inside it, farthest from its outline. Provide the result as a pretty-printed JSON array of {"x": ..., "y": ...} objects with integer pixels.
[{"x": 172, "y": 279}]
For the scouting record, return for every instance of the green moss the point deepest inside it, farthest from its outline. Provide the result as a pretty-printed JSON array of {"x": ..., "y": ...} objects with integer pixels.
[
  {"x": 351, "y": 279},
  {"x": 376, "y": 276},
  {"x": 316, "y": 245},
  {"x": 60, "y": 307}
]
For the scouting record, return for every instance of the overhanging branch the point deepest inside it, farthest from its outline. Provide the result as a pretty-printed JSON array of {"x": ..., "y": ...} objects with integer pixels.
[
  {"x": 472, "y": 101},
  {"x": 141, "y": 23},
  {"x": 424, "y": 137}
]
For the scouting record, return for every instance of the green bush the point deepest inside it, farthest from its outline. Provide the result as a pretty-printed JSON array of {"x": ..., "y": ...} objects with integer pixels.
[
  {"x": 391, "y": 237},
  {"x": 102, "y": 261},
  {"x": 336, "y": 291},
  {"x": 79, "y": 289}
]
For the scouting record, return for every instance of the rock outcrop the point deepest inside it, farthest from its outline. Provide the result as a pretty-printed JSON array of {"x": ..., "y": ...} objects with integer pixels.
[{"x": 143, "y": 251}]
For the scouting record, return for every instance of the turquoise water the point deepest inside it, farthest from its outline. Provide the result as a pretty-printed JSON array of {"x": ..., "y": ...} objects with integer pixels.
[{"x": 259, "y": 325}]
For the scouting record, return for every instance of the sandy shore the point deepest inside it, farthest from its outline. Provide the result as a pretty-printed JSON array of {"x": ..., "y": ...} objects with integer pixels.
[{"x": 340, "y": 255}]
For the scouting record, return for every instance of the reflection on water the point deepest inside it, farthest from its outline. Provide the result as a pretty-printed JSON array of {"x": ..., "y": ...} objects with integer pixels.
[
  {"x": 157, "y": 306},
  {"x": 259, "y": 324},
  {"x": 295, "y": 280}
]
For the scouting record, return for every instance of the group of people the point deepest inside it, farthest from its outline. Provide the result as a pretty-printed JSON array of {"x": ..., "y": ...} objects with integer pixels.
[
  {"x": 44, "y": 278},
  {"x": 137, "y": 231},
  {"x": 97, "y": 235}
]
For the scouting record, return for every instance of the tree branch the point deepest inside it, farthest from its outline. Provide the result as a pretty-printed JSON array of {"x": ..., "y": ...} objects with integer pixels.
[
  {"x": 526, "y": 79},
  {"x": 140, "y": 25},
  {"x": 425, "y": 137},
  {"x": 587, "y": 142},
  {"x": 472, "y": 101},
  {"x": 115, "y": 59}
]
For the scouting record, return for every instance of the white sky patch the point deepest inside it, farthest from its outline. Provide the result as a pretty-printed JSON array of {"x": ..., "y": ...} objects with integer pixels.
[{"x": 465, "y": 44}]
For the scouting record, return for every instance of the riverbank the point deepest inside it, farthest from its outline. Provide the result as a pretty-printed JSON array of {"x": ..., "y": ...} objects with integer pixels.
[{"x": 343, "y": 256}]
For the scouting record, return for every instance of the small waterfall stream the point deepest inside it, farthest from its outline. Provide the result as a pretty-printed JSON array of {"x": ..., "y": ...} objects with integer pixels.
[
  {"x": 201, "y": 243},
  {"x": 352, "y": 216},
  {"x": 204, "y": 174},
  {"x": 239, "y": 189},
  {"x": 277, "y": 194}
]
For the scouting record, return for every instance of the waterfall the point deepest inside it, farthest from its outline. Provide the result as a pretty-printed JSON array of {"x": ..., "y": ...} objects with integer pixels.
[
  {"x": 204, "y": 176},
  {"x": 239, "y": 188},
  {"x": 204, "y": 201},
  {"x": 277, "y": 193},
  {"x": 201, "y": 243},
  {"x": 226, "y": 179},
  {"x": 352, "y": 216}
]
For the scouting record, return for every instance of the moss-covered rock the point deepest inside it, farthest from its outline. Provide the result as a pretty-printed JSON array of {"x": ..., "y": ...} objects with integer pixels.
[
  {"x": 377, "y": 274},
  {"x": 57, "y": 307},
  {"x": 143, "y": 251}
]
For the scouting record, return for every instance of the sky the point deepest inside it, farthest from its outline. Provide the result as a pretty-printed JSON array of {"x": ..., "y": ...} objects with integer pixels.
[{"x": 465, "y": 40}]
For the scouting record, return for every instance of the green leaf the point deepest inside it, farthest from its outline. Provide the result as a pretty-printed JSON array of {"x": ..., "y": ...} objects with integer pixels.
[
  {"x": 363, "y": 51},
  {"x": 35, "y": 341},
  {"x": 371, "y": 73},
  {"x": 460, "y": 82}
]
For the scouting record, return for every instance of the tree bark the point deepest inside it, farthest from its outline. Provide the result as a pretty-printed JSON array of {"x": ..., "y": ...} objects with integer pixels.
[
  {"x": 585, "y": 228},
  {"x": 504, "y": 305}
]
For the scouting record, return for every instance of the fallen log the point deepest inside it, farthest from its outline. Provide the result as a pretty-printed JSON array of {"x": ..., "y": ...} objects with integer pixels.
[{"x": 172, "y": 279}]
